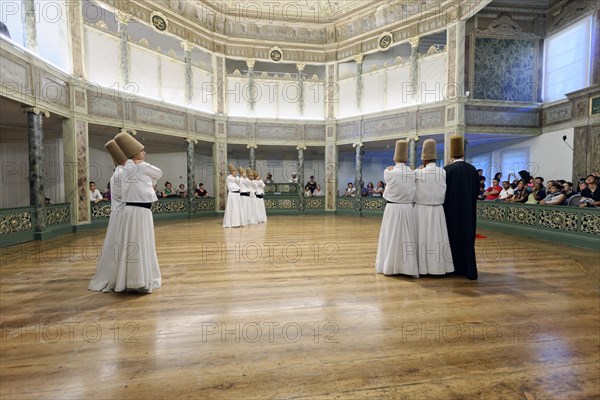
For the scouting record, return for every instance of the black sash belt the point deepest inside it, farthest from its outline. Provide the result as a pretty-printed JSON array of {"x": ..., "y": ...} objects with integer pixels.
[
  {"x": 260, "y": 196},
  {"x": 245, "y": 194},
  {"x": 143, "y": 205},
  {"x": 237, "y": 191}
]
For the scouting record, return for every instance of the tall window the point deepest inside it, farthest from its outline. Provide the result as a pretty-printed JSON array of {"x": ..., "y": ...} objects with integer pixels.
[
  {"x": 567, "y": 56},
  {"x": 484, "y": 161},
  {"x": 514, "y": 160}
]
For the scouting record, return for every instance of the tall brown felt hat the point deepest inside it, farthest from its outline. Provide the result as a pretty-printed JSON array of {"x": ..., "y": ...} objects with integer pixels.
[
  {"x": 457, "y": 146},
  {"x": 128, "y": 144},
  {"x": 115, "y": 151},
  {"x": 401, "y": 153},
  {"x": 428, "y": 151},
  {"x": 249, "y": 173},
  {"x": 241, "y": 170},
  {"x": 231, "y": 168}
]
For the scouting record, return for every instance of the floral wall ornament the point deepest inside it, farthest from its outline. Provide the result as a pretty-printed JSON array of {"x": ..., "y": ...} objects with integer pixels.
[
  {"x": 276, "y": 54},
  {"x": 385, "y": 40},
  {"x": 159, "y": 21}
]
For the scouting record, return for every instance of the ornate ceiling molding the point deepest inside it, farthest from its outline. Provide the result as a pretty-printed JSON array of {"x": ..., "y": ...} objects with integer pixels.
[
  {"x": 356, "y": 32},
  {"x": 504, "y": 26}
]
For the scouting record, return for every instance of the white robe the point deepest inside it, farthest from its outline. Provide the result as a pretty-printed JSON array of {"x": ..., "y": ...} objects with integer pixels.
[
  {"x": 105, "y": 278},
  {"x": 397, "y": 248},
  {"x": 262, "y": 212},
  {"x": 435, "y": 256},
  {"x": 234, "y": 216},
  {"x": 247, "y": 202},
  {"x": 135, "y": 247}
]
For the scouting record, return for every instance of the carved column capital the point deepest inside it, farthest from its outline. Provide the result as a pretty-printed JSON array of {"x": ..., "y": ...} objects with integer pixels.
[
  {"x": 250, "y": 62},
  {"x": 187, "y": 45},
  {"x": 191, "y": 140},
  {"x": 36, "y": 111},
  {"x": 414, "y": 41},
  {"x": 251, "y": 146},
  {"x": 359, "y": 58},
  {"x": 123, "y": 17},
  {"x": 300, "y": 66}
]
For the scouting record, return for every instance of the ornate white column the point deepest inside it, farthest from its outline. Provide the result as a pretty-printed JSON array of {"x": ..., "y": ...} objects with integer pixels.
[
  {"x": 359, "y": 82},
  {"x": 191, "y": 169},
  {"x": 252, "y": 92},
  {"x": 30, "y": 28},
  {"x": 455, "y": 110},
  {"x": 189, "y": 77},
  {"x": 414, "y": 65},
  {"x": 123, "y": 20},
  {"x": 300, "y": 186},
  {"x": 252, "y": 155},
  {"x": 35, "y": 132},
  {"x": 412, "y": 150},
  {"x": 358, "y": 179},
  {"x": 300, "y": 68}
]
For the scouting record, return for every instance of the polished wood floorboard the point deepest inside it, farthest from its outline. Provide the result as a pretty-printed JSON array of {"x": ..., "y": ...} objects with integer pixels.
[{"x": 294, "y": 309}]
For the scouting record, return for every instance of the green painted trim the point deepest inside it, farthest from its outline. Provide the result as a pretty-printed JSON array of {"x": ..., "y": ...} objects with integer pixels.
[
  {"x": 556, "y": 236},
  {"x": 54, "y": 231},
  {"x": 16, "y": 238}
]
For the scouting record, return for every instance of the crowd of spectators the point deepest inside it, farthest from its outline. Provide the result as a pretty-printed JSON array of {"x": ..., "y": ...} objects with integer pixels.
[{"x": 524, "y": 188}]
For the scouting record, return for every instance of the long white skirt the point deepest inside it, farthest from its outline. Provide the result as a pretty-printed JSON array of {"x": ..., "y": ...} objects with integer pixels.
[
  {"x": 259, "y": 206},
  {"x": 249, "y": 211},
  {"x": 134, "y": 247},
  {"x": 435, "y": 256},
  {"x": 263, "y": 210},
  {"x": 234, "y": 215},
  {"x": 105, "y": 278},
  {"x": 397, "y": 248}
]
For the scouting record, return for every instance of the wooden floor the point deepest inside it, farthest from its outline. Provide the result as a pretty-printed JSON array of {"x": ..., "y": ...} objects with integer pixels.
[{"x": 294, "y": 309}]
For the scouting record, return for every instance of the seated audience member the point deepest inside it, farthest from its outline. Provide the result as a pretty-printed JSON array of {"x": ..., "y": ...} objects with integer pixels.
[
  {"x": 158, "y": 192},
  {"x": 590, "y": 195},
  {"x": 555, "y": 197},
  {"x": 318, "y": 192},
  {"x": 538, "y": 179},
  {"x": 493, "y": 192},
  {"x": 378, "y": 191},
  {"x": 506, "y": 193},
  {"x": 350, "y": 190},
  {"x": 582, "y": 185},
  {"x": 107, "y": 194},
  {"x": 548, "y": 185},
  {"x": 181, "y": 192},
  {"x": 311, "y": 184},
  {"x": 200, "y": 191},
  {"x": 168, "y": 191},
  {"x": 95, "y": 195},
  {"x": 537, "y": 194},
  {"x": 269, "y": 178},
  {"x": 525, "y": 176},
  {"x": 294, "y": 178},
  {"x": 368, "y": 190},
  {"x": 521, "y": 194},
  {"x": 498, "y": 176},
  {"x": 481, "y": 191},
  {"x": 568, "y": 190},
  {"x": 481, "y": 177},
  {"x": 47, "y": 201},
  {"x": 307, "y": 191}
]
